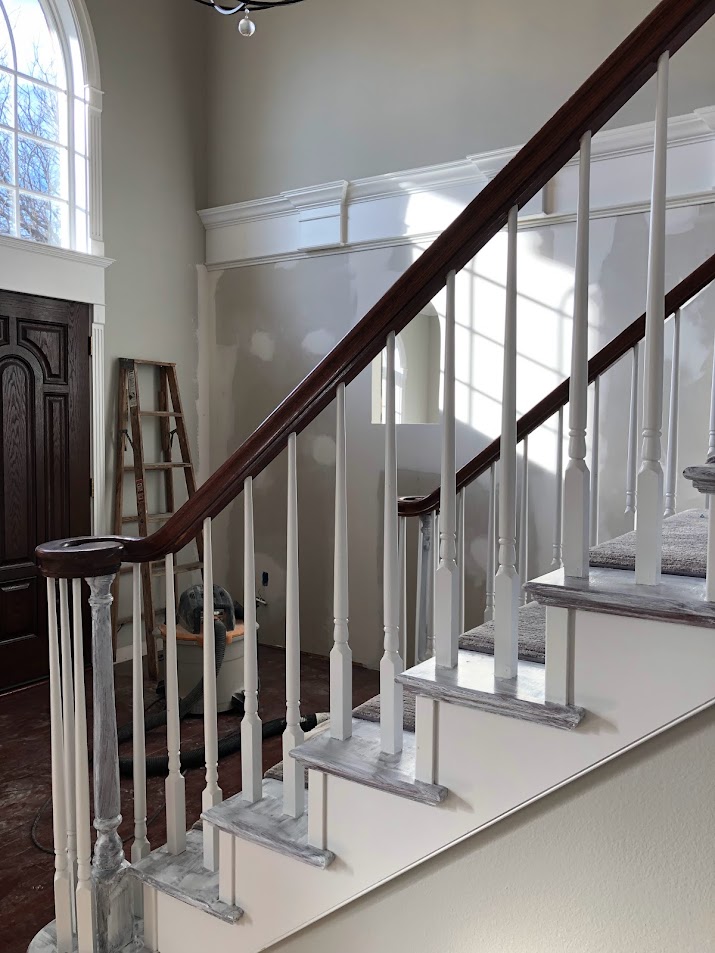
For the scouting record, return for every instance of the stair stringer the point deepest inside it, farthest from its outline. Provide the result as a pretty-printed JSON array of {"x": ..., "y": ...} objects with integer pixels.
[{"x": 636, "y": 678}]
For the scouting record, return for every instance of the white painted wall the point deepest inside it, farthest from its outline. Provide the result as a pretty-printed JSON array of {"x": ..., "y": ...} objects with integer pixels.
[
  {"x": 152, "y": 64},
  {"x": 617, "y": 861},
  {"x": 327, "y": 91}
]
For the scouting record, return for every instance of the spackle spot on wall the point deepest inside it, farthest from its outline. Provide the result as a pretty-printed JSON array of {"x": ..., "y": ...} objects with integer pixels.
[
  {"x": 324, "y": 450},
  {"x": 263, "y": 346},
  {"x": 318, "y": 342}
]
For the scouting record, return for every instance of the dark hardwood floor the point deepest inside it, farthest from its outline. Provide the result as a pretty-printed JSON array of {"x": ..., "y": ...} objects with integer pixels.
[{"x": 26, "y": 902}]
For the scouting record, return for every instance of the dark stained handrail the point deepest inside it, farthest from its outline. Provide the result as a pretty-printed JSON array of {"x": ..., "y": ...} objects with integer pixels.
[
  {"x": 623, "y": 73},
  {"x": 559, "y": 396}
]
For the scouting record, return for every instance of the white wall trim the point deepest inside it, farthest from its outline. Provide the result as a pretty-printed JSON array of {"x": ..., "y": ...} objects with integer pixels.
[{"x": 414, "y": 206}]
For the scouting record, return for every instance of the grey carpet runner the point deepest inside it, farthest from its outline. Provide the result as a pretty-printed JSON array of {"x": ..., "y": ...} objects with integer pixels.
[
  {"x": 685, "y": 537},
  {"x": 685, "y": 540}
]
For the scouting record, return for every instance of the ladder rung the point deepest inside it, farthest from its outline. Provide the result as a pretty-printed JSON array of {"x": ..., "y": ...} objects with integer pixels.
[
  {"x": 140, "y": 360},
  {"x": 151, "y": 518},
  {"x": 160, "y": 413},
  {"x": 158, "y": 569},
  {"x": 159, "y": 466}
]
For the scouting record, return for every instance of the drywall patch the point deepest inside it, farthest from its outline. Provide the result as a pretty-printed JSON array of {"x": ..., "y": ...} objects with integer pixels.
[
  {"x": 318, "y": 342},
  {"x": 323, "y": 450},
  {"x": 263, "y": 345}
]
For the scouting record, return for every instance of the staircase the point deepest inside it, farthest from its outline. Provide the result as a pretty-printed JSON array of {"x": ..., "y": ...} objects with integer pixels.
[{"x": 569, "y": 670}]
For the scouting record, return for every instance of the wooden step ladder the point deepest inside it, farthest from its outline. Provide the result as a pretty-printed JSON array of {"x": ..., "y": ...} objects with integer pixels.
[{"x": 129, "y": 431}]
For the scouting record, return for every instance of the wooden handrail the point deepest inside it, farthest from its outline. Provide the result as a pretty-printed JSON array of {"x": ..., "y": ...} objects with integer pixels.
[
  {"x": 559, "y": 396},
  {"x": 666, "y": 28}
]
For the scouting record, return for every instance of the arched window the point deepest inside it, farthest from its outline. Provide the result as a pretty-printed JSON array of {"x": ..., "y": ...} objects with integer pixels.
[{"x": 43, "y": 125}]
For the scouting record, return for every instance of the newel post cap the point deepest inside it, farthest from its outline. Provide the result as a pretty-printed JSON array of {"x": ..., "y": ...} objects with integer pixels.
[
  {"x": 702, "y": 476},
  {"x": 81, "y": 557}
]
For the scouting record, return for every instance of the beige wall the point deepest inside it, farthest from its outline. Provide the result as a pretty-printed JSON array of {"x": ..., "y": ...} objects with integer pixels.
[
  {"x": 328, "y": 90},
  {"x": 619, "y": 861},
  {"x": 274, "y": 322},
  {"x": 152, "y": 62}
]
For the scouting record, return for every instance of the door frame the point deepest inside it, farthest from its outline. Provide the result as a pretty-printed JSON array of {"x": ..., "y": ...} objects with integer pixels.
[{"x": 34, "y": 269}]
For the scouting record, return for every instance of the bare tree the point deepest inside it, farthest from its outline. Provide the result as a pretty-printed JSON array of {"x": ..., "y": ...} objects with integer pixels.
[{"x": 38, "y": 158}]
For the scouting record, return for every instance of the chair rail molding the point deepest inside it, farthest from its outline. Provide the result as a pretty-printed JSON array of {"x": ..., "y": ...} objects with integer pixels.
[
  {"x": 414, "y": 206},
  {"x": 34, "y": 269}
]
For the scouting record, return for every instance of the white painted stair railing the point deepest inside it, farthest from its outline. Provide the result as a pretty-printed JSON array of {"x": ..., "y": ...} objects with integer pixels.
[{"x": 98, "y": 911}]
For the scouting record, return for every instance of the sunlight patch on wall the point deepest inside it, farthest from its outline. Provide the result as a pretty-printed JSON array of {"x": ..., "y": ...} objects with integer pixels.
[{"x": 263, "y": 345}]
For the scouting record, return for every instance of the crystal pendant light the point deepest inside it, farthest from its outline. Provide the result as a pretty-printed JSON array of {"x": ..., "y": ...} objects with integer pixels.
[{"x": 246, "y": 26}]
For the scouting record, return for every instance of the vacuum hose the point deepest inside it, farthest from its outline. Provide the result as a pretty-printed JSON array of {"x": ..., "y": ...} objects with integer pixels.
[{"x": 158, "y": 766}]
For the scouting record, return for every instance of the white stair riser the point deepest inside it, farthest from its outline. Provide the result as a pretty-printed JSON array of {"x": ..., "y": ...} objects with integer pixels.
[{"x": 635, "y": 678}]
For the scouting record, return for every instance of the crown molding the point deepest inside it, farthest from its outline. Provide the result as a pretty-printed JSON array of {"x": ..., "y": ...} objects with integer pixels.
[{"x": 413, "y": 206}]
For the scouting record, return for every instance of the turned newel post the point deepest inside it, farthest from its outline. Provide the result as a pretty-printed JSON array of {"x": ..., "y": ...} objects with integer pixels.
[
  {"x": 112, "y": 888},
  {"x": 703, "y": 478}
]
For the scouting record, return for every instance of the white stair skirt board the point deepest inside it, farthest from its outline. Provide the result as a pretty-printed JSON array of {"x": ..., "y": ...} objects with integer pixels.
[
  {"x": 361, "y": 759},
  {"x": 474, "y": 685},
  {"x": 184, "y": 877},
  {"x": 264, "y": 822},
  {"x": 634, "y": 677},
  {"x": 615, "y": 591}
]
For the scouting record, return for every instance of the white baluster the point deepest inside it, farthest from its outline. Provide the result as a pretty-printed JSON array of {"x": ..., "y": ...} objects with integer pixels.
[
  {"x": 671, "y": 468},
  {"x": 62, "y": 882},
  {"x": 85, "y": 889},
  {"x": 632, "y": 465},
  {"x": 446, "y": 593},
  {"x": 461, "y": 532},
  {"x": 491, "y": 545},
  {"x": 559, "y": 481},
  {"x": 524, "y": 521},
  {"x": 212, "y": 793},
  {"x": 341, "y": 656},
  {"x": 293, "y": 773},
  {"x": 425, "y": 578},
  {"x": 402, "y": 575},
  {"x": 649, "y": 518},
  {"x": 506, "y": 584},
  {"x": 710, "y": 558},
  {"x": 435, "y": 562},
  {"x": 68, "y": 725},
  {"x": 174, "y": 788},
  {"x": 711, "y": 436},
  {"x": 391, "y": 663},
  {"x": 251, "y": 728},
  {"x": 593, "y": 520},
  {"x": 140, "y": 847},
  {"x": 577, "y": 478}
]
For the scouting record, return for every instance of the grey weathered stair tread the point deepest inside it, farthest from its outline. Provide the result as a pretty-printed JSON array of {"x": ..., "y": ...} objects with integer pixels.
[
  {"x": 685, "y": 537},
  {"x": 264, "y": 823},
  {"x": 472, "y": 684},
  {"x": 184, "y": 877},
  {"x": 360, "y": 759},
  {"x": 615, "y": 591}
]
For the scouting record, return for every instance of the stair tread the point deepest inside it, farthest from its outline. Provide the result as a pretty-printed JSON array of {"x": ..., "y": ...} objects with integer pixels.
[
  {"x": 472, "y": 684},
  {"x": 184, "y": 877},
  {"x": 360, "y": 759},
  {"x": 265, "y": 823},
  {"x": 684, "y": 553},
  {"x": 615, "y": 591}
]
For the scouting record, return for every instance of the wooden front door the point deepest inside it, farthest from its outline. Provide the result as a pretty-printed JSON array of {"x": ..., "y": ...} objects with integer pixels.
[{"x": 44, "y": 463}]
